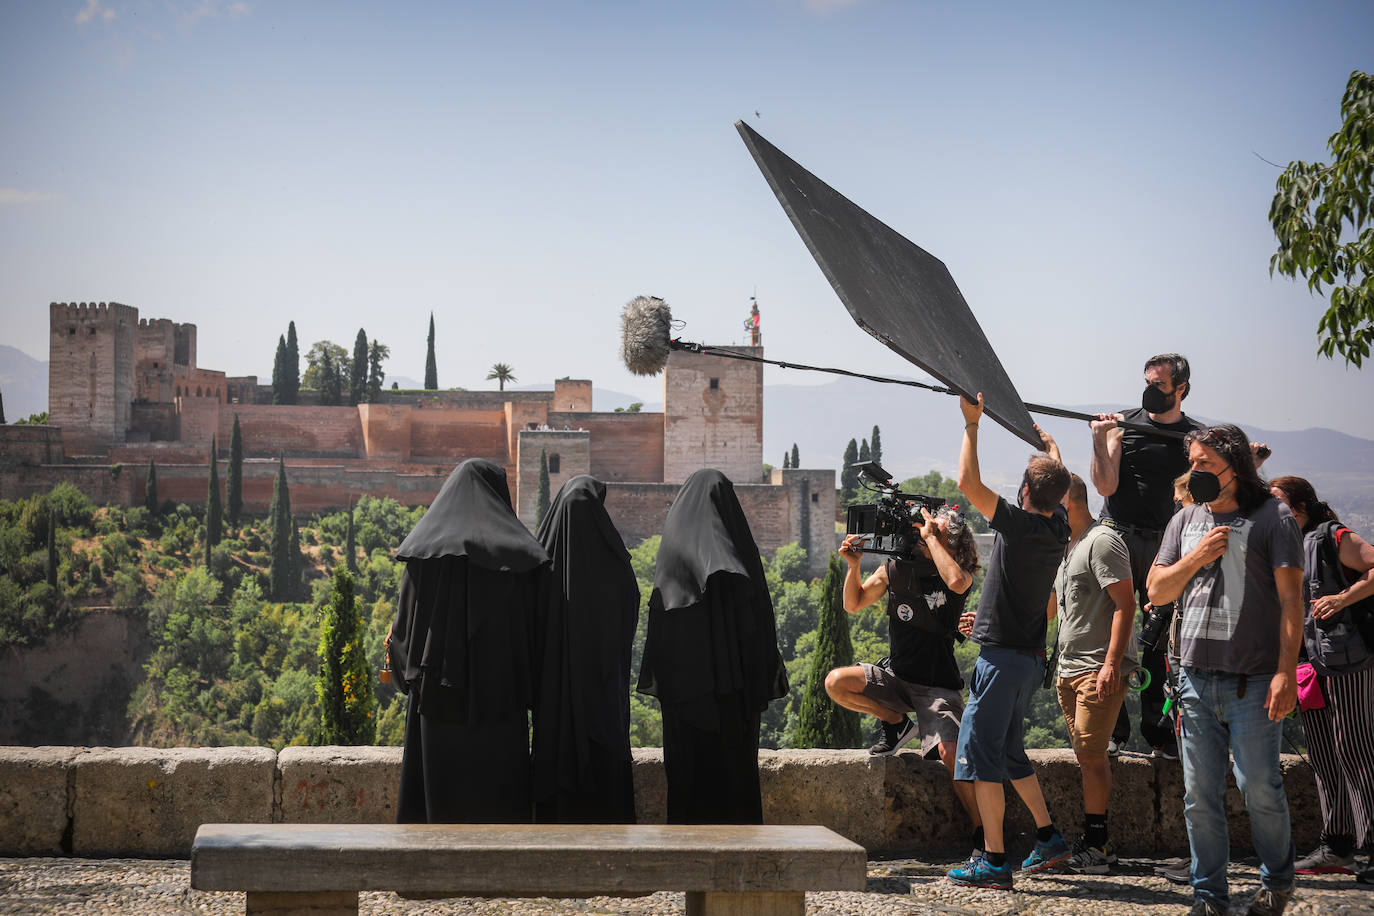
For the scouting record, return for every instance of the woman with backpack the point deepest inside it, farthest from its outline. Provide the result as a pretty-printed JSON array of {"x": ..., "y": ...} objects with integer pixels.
[{"x": 1338, "y": 710}]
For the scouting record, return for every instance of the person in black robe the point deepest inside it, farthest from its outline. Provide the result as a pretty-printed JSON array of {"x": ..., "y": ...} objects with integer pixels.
[
  {"x": 711, "y": 655},
  {"x": 586, "y": 630},
  {"x": 460, "y": 649}
]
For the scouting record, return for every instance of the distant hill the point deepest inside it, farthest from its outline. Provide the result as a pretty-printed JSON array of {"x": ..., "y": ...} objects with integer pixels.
[{"x": 23, "y": 382}]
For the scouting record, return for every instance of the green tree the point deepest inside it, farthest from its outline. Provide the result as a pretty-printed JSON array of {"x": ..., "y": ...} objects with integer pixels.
[
  {"x": 344, "y": 683},
  {"x": 377, "y": 354},
  {"x": 2, "y": 409},
  {"x": 849, "y": 478},
  {"x": 796, "y": 456},
  {"x": 280, "y": 521},
  {"x": 786, "y": 459},
  {"x": 350, "y": 543},
  {"x": 864, "y": 454},
  {"x": 541, "y": 506},
  {"x": 822, "y": 722},
  {"x": 357, "y": 376},
  {"x": 291, "y": 374},
  {"x": 327, "y": 371},
  {"x": 50, "y": 567},
  {"x": 431, "y": 371},
  {"x": 233, "y": 485},
  {"x": 280, "y": 389},
  {"x": 502, "y": 373},
  {"x": 875, "y": 446},
  {"x": 214, "y": 509},
  {"x": 150, "y": 490},
  {"x": 1319, "y": 214}
]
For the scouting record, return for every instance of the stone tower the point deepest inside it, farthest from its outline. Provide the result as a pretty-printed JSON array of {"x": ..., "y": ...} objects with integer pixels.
[
  {"x": 713, "y": 415},
  {"x": 91, "y": 373}
]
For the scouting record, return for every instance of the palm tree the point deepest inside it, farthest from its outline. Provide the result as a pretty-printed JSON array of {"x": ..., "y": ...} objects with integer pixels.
[{"x": 502, "y": 373}]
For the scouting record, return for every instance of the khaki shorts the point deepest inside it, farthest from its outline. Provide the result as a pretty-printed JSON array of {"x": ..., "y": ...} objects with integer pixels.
[
  {"x": 937, "y": 709},
  {"x": 1090, "y": 718}
]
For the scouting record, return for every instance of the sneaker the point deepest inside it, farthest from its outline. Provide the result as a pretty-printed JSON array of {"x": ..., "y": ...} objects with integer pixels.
[
  {"x": 1179, "y": 872},
  {"x": 1091, "y": 860},
  {"x": 1324, "y": 861},
  {"x": 1047, "y": 854},
  {"x": 1206, "y": 908},
  {"x": 982, "y": 873},
  {"x": 891, "y": 737},
  {"x": 1165, "y": 753},
  {"x": 1269, "y": 902},
  {"x": 1113, "y": 748},
  {"x": 1366, "y": 877}
]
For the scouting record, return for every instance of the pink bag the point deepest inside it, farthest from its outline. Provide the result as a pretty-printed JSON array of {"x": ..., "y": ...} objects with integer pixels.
[{"x": 1309, "y": 688}]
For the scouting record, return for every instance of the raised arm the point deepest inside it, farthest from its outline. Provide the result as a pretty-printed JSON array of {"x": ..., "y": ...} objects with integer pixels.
[
  {"x": 956, "y": 577},
  {"x": 859, "y": 596},
  {"x": 970, "y": 478},
  {"x": 1106, "y": 464}
]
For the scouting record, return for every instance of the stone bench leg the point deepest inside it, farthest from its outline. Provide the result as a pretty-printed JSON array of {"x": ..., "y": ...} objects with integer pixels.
[
  {"x": 778, "y": 903},
  {"x": 272, "y": 903}
]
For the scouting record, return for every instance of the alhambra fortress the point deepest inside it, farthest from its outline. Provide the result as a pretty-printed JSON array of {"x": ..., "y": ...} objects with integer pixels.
[{"x": 124, "y": 391}]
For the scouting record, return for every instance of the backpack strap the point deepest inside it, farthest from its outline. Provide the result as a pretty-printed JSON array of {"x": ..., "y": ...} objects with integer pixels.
[{"x": 1330, "y": 551}]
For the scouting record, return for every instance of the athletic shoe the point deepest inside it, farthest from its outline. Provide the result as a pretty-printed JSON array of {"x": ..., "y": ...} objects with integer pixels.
[
  {"x": 1092, "y": 860},
  {"x": 1324, "y": 861},
  {"x": 1113, "y": 748},
  {"x": 1269, "y": 902},
  {"x": 1180, "y": 872},
  {"x": 1166, "y": 753},
  {"x": 1205, "y": 908},
  {"x": 891, "y": 737},
  {"x": 1366, "y": 877},
  {"x": 982, "y": 873},
  {"x": 1047, "y": 854}
]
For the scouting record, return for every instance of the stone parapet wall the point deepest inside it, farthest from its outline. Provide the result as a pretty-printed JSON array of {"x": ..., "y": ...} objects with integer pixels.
[{"x": 147, "y": 802}]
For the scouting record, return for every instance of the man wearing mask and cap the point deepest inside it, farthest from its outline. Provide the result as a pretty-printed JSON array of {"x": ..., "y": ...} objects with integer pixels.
[
  {"x": 1234, "y": 564},
  {"x": 1134, "y": 471}
]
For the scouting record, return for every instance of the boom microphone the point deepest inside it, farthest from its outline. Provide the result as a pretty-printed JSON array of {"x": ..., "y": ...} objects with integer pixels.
[{"x": 645, "y": 325}]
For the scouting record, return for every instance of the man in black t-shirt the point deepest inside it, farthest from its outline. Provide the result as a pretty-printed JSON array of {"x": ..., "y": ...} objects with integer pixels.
[
  {"x": 925, "y": 601},
  {"x": 1134, "y": 471}
]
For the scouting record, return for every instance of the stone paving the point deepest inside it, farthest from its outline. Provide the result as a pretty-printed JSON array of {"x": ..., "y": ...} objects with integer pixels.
[{"x": 51, "y": 886}]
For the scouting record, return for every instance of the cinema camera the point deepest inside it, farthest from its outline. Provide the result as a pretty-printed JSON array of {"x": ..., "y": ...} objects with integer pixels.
[{"x": 887, "y": 523}]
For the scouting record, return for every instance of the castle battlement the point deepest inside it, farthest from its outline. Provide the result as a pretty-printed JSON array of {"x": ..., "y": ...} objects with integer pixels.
[{"x": 91, "y": 311}]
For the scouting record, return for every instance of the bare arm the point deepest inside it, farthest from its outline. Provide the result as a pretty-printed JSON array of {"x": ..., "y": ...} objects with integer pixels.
[
  {"x": 1048, "y": 444},
  {"x": 970, "y": 477},
  {"x": 857, "y": 596},
  {"x": 1106, "y": 463},
  {"x": 1166, "y": 583},
  {"x": 1052, "y": 609},
  {"x": 1123, "y": 625},
  {"x": 956, "y": 577},
  {"x": 1355, "y": 554},
  {"x": 1283, "y": 688}
]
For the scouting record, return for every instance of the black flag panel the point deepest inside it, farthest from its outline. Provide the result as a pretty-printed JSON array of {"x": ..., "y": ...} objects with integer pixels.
[{"x": 895, "y": 290}]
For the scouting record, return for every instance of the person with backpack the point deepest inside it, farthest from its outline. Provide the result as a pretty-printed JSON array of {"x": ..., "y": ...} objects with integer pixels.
[{"x": 1338, "y": 717}]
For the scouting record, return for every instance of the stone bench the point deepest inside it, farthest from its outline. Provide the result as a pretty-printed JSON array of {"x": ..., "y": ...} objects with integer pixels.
[{"x": 726, "y": 870}]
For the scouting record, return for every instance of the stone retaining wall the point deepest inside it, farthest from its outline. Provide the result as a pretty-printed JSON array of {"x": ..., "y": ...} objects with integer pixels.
[{"x": 147, "y": 802}]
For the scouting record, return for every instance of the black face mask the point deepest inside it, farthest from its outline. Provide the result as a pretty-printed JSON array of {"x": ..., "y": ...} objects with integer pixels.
[
  {"x": 1156, "y": 401},
  {"x": 1203, "y": 486}
]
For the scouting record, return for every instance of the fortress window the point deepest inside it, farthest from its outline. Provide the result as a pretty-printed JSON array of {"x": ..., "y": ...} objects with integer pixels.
[
  {"x": 92, "y": 331},
  {"x": 715, "y": 383},
  {"x": 555, "y": 462},
  {"x": 815, "y": 497},
  {"x": 71, "y": 331}
]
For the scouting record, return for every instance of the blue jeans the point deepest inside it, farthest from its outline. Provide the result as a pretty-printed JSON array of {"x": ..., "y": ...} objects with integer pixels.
[{"x": 1214, "y": 720}]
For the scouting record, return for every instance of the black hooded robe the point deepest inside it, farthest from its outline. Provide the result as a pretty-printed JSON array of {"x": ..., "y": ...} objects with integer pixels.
[
  {"x": 711, "y": 655},
  {"x": 585, "y": 634},
  {"x": 460, "y": 649}
]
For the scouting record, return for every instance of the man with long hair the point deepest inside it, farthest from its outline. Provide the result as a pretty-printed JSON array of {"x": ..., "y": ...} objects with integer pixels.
[{"x": 1233, "y": 562}]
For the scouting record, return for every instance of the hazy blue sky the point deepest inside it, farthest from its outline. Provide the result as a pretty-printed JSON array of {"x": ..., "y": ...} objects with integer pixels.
[{"x": 1090, "y": 173}]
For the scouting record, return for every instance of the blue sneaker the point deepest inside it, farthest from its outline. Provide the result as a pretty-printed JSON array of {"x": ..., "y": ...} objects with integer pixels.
[
  {"x": 980, "y": 872},
  {"x": 1047, "y": 854}
]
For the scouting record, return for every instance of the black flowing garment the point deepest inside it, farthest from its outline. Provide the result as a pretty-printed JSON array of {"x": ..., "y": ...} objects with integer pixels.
[
  {"x": 461, "y": 650},
  {"x": 584, "y": 635},
  {"x": 711, "y": 655}
]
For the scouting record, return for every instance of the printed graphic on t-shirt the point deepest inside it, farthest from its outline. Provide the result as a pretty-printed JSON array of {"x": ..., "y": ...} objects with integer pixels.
[
  {"x": 1213, "y": 598},
  {"x": 935, "y": 599}
]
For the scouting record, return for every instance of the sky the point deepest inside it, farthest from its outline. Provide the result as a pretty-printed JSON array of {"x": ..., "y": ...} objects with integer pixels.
[{"x": 1094, "y": 175}]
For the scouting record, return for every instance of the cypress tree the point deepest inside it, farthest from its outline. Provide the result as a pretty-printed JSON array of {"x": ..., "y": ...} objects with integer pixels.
[
  {"x": 279, "y": 573},
  {"x": 297, "y": 562},
  {"x": 377, "y": 352},
  {"x": 431, "y": 372},
  {"x": 150, "y": 490},
  {"x": 786, "y": 459},
  {"x": 351, "y": 543},
  {"x": 864, "y": 453},
  {"x": 876, "y": 445},
  {"x": 541, "y": 506},
  {"x": 796, "y": 456},
  {"x": 2, "y": 408},
  {"x": 280, "y": 387},
  {"x": 214, "y": 509},
  {"x": 331, "y": 386},
  {"x": 51, "y": 568},
  {"x": 357, "y": 379},
  {"x": 234, "y": 484},
  {"x": 822, "y": 722},
  {"x": 849, "y": 478},
  {"x": 292, "y": 372},
  {"x": 344, "y": 682}
]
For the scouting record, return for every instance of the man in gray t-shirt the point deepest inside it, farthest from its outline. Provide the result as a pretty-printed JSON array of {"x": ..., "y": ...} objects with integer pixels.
[
  {"x": 1233, "y": 562},
  {"x": 1094, "y": 600}
]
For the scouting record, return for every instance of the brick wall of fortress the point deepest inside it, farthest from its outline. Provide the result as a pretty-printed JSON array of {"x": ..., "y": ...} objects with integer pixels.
[
  {"x": 625, "y": 446},
  {"x": 91, "y": 371}
]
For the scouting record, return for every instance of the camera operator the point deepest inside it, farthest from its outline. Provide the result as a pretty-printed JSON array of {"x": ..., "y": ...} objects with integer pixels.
[{"x": 925, "y": 602}]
